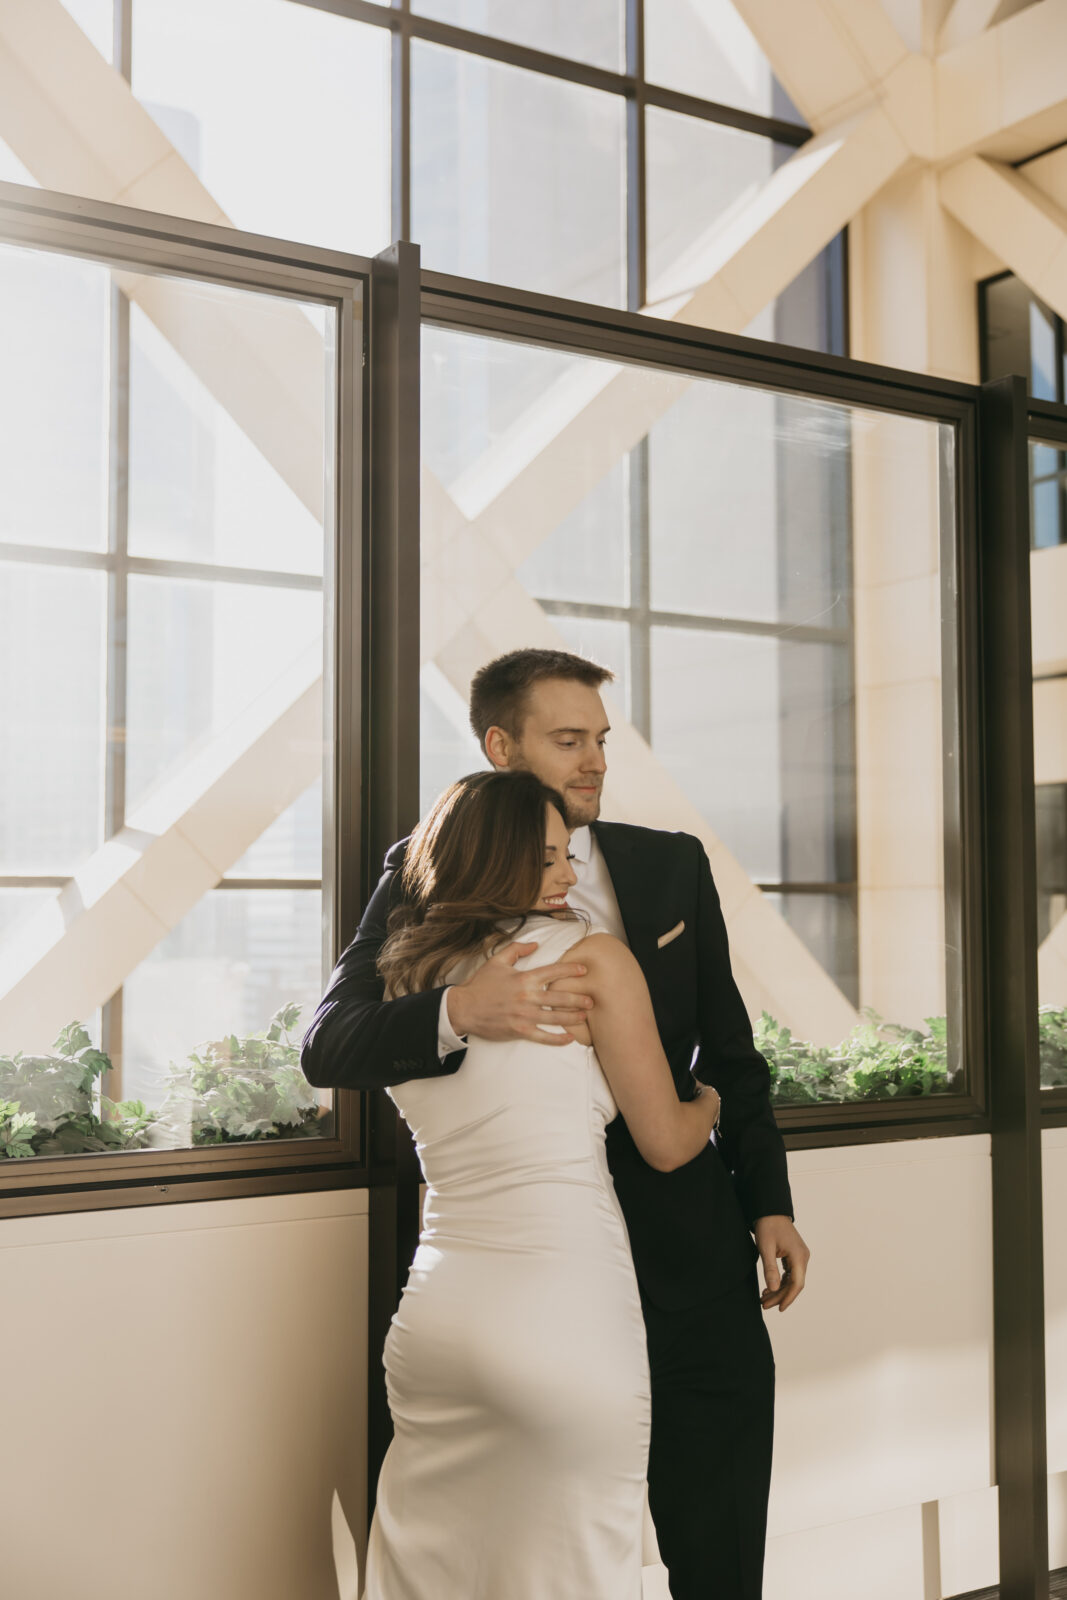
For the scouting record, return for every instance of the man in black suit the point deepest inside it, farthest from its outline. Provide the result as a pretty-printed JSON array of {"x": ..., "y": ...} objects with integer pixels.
[{"x": 691, "y": 1231}]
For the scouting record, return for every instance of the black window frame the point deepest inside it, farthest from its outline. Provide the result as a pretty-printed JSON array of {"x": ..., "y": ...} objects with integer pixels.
[
  {"x": 358, "y": 290},
  {"x": 477, "y": 308}
]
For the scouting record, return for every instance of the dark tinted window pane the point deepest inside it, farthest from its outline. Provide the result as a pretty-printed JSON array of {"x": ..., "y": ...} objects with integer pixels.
[{"x": 1022, "y": 335}]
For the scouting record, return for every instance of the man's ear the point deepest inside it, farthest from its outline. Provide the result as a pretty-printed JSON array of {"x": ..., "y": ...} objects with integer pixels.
[{"x": 498, "y": 747}]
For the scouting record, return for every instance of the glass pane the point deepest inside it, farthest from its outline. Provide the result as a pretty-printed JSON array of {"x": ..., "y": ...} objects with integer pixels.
[
  {"x": 200, "y": 654},
  {"x": 1043, "y": 364},
  {"x": 447, "y": 747},
  {"x": 587, "y": 557},
  {"x": 749, "y": 508},
  {"x": 202, "y": 487},
  {"x": 291, "y": 847},
  {"x": 54, "y": 332},
  {"x": 591, "y": 32},
  {"x": 97, "y": 19},
  {"x": 220, "y": 975},
  {"x": 281, "y": 111},
  {"x": 776, "y": 642},
  {"x": 517, "y": 178},
  {"x": 828, "y": 927},
  {"x": 1020, "y": 334},
  {"x": 164, "y": 727},
  {"x": 1048, "y": 495},
  {"x": 771, "y": 770},
  {"x": 698, "y": 173},
  {"x": 703, "y": 48},
  {"x": 607, "y": 643},
  {"x": 1049, "y": 607},
  {"x": 18, "y": 904},
  {"x": 52, "y": 645},
  {"x": 1051, "y": 856}
]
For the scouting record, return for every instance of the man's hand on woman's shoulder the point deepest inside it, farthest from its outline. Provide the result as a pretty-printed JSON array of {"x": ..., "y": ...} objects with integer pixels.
[{"x": 501, "y": 1003}]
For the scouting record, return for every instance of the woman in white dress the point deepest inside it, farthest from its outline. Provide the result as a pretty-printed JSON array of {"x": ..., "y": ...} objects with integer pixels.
[{"x": 516, "y": 1364}]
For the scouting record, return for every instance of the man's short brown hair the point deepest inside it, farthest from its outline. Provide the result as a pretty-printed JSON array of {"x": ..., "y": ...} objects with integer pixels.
[{"x": 499, "y": 690}]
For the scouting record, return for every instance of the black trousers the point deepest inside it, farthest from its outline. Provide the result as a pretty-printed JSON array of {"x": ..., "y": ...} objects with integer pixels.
[{"x": 709, "y": 1469}]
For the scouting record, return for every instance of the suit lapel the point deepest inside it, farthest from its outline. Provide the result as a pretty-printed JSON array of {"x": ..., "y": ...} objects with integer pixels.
[{"x": 631, "y": 890}]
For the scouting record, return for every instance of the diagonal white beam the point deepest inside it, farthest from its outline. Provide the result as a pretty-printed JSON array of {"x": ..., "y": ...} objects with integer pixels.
[
  {"x": 831, "y": 55},
  {"x": 75, "y": 124},
  {"x": 968, "y": 18},
  {"x": 1048, "y": 173},
  {"x": 72, "y": 956},
  {"x": 1004, "y": 92},
  {"x": 1012, "y": 217},
  {"x": 543, "y": 467}
]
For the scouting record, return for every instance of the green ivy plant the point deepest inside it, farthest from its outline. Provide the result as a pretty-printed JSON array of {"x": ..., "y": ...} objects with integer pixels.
[
  {"x": 236, "y": 1090},
  {"x": 882, "y": 1061},
  {"x": 233, "y": 1089},
  {"x": 241, "y": 1089},
  {"x": 48, "y": 1105}
]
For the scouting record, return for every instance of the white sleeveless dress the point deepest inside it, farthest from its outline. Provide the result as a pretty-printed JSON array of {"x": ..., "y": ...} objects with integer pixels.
[{"x": 516, "y": 1364}]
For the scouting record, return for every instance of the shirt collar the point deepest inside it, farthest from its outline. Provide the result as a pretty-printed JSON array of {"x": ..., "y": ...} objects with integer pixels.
[{"x": 582, "y": 843}]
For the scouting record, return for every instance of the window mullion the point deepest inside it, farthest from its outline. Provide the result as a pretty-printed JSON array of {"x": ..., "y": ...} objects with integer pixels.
[{"x": 117, "y": 615}]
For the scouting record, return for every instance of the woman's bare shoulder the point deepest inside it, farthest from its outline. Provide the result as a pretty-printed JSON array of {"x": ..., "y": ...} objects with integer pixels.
[{"x": 603, "y": 953}]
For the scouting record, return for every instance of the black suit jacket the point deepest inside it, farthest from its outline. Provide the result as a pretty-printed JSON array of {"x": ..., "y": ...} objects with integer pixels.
[{"x": 689, "y": 1229}]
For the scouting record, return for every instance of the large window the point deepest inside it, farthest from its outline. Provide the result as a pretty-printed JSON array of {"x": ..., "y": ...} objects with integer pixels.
[
  {"x": 567, "y": 150},
  {"x": 168, "y": 455},
  {"x": 769, "y": 576}
]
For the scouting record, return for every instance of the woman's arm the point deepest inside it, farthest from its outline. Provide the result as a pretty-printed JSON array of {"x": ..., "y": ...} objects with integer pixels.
[{"x": 667, "y": 1131}]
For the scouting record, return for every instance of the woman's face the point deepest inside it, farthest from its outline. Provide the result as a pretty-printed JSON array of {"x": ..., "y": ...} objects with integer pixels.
[{"x": 559, "y": 875}]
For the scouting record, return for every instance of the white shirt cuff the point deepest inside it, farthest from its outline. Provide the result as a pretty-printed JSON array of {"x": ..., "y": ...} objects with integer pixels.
[{"x": 448, "y": 1039}]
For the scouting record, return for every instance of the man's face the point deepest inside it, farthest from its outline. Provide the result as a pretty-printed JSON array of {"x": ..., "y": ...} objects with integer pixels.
[{"x": 562, "y": 742}]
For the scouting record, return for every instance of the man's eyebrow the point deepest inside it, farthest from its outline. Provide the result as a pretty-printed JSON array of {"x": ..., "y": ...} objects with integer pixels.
[{"x": 553, "y": 731}]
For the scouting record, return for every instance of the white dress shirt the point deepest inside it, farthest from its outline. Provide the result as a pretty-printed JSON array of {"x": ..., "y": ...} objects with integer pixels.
[{"x": 593, "y": 894}]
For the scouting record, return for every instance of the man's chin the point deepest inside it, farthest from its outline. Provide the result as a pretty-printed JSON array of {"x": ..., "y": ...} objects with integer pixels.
[{"x": 580, "y": 812}]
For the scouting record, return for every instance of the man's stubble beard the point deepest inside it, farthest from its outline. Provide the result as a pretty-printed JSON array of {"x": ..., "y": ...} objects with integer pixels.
[
  {"x": 571, "y": 816},
  {"x": 589, "y": 813}
]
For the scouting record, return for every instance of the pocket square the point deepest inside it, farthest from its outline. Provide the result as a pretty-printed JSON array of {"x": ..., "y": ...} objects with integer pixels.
[{"x": 665, "y": 938}]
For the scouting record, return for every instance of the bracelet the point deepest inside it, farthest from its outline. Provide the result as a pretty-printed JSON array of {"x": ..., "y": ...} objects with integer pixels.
[{"x": 700, "y": 1088}]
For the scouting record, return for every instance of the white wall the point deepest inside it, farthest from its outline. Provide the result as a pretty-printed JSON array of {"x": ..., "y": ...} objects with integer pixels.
[
  {"x": 884, "y": 1365},
  {"x": 185, "y": 1390},
  {"x": 184, "y": 1400},
  {"x": 883, "y": 1447}
]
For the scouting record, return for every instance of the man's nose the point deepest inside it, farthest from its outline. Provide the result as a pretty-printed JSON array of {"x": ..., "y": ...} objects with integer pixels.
[{"x": 597, "y": 761}]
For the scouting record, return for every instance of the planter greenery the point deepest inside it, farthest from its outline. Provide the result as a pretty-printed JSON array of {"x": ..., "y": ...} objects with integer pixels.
[
  {"x": 231, "y": 1090},
  {"x": 881, "y": 1061},
  {"x": 235, "y": 1090},
  {"x": 877, "y": 1061}
]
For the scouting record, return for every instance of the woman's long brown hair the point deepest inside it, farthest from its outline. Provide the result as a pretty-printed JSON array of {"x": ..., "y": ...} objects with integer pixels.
[{"x": 475, "y": 863}]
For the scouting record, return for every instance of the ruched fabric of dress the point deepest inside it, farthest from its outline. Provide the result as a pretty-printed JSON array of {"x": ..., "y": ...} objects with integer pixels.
[{"x": 516, "y": 1364}]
